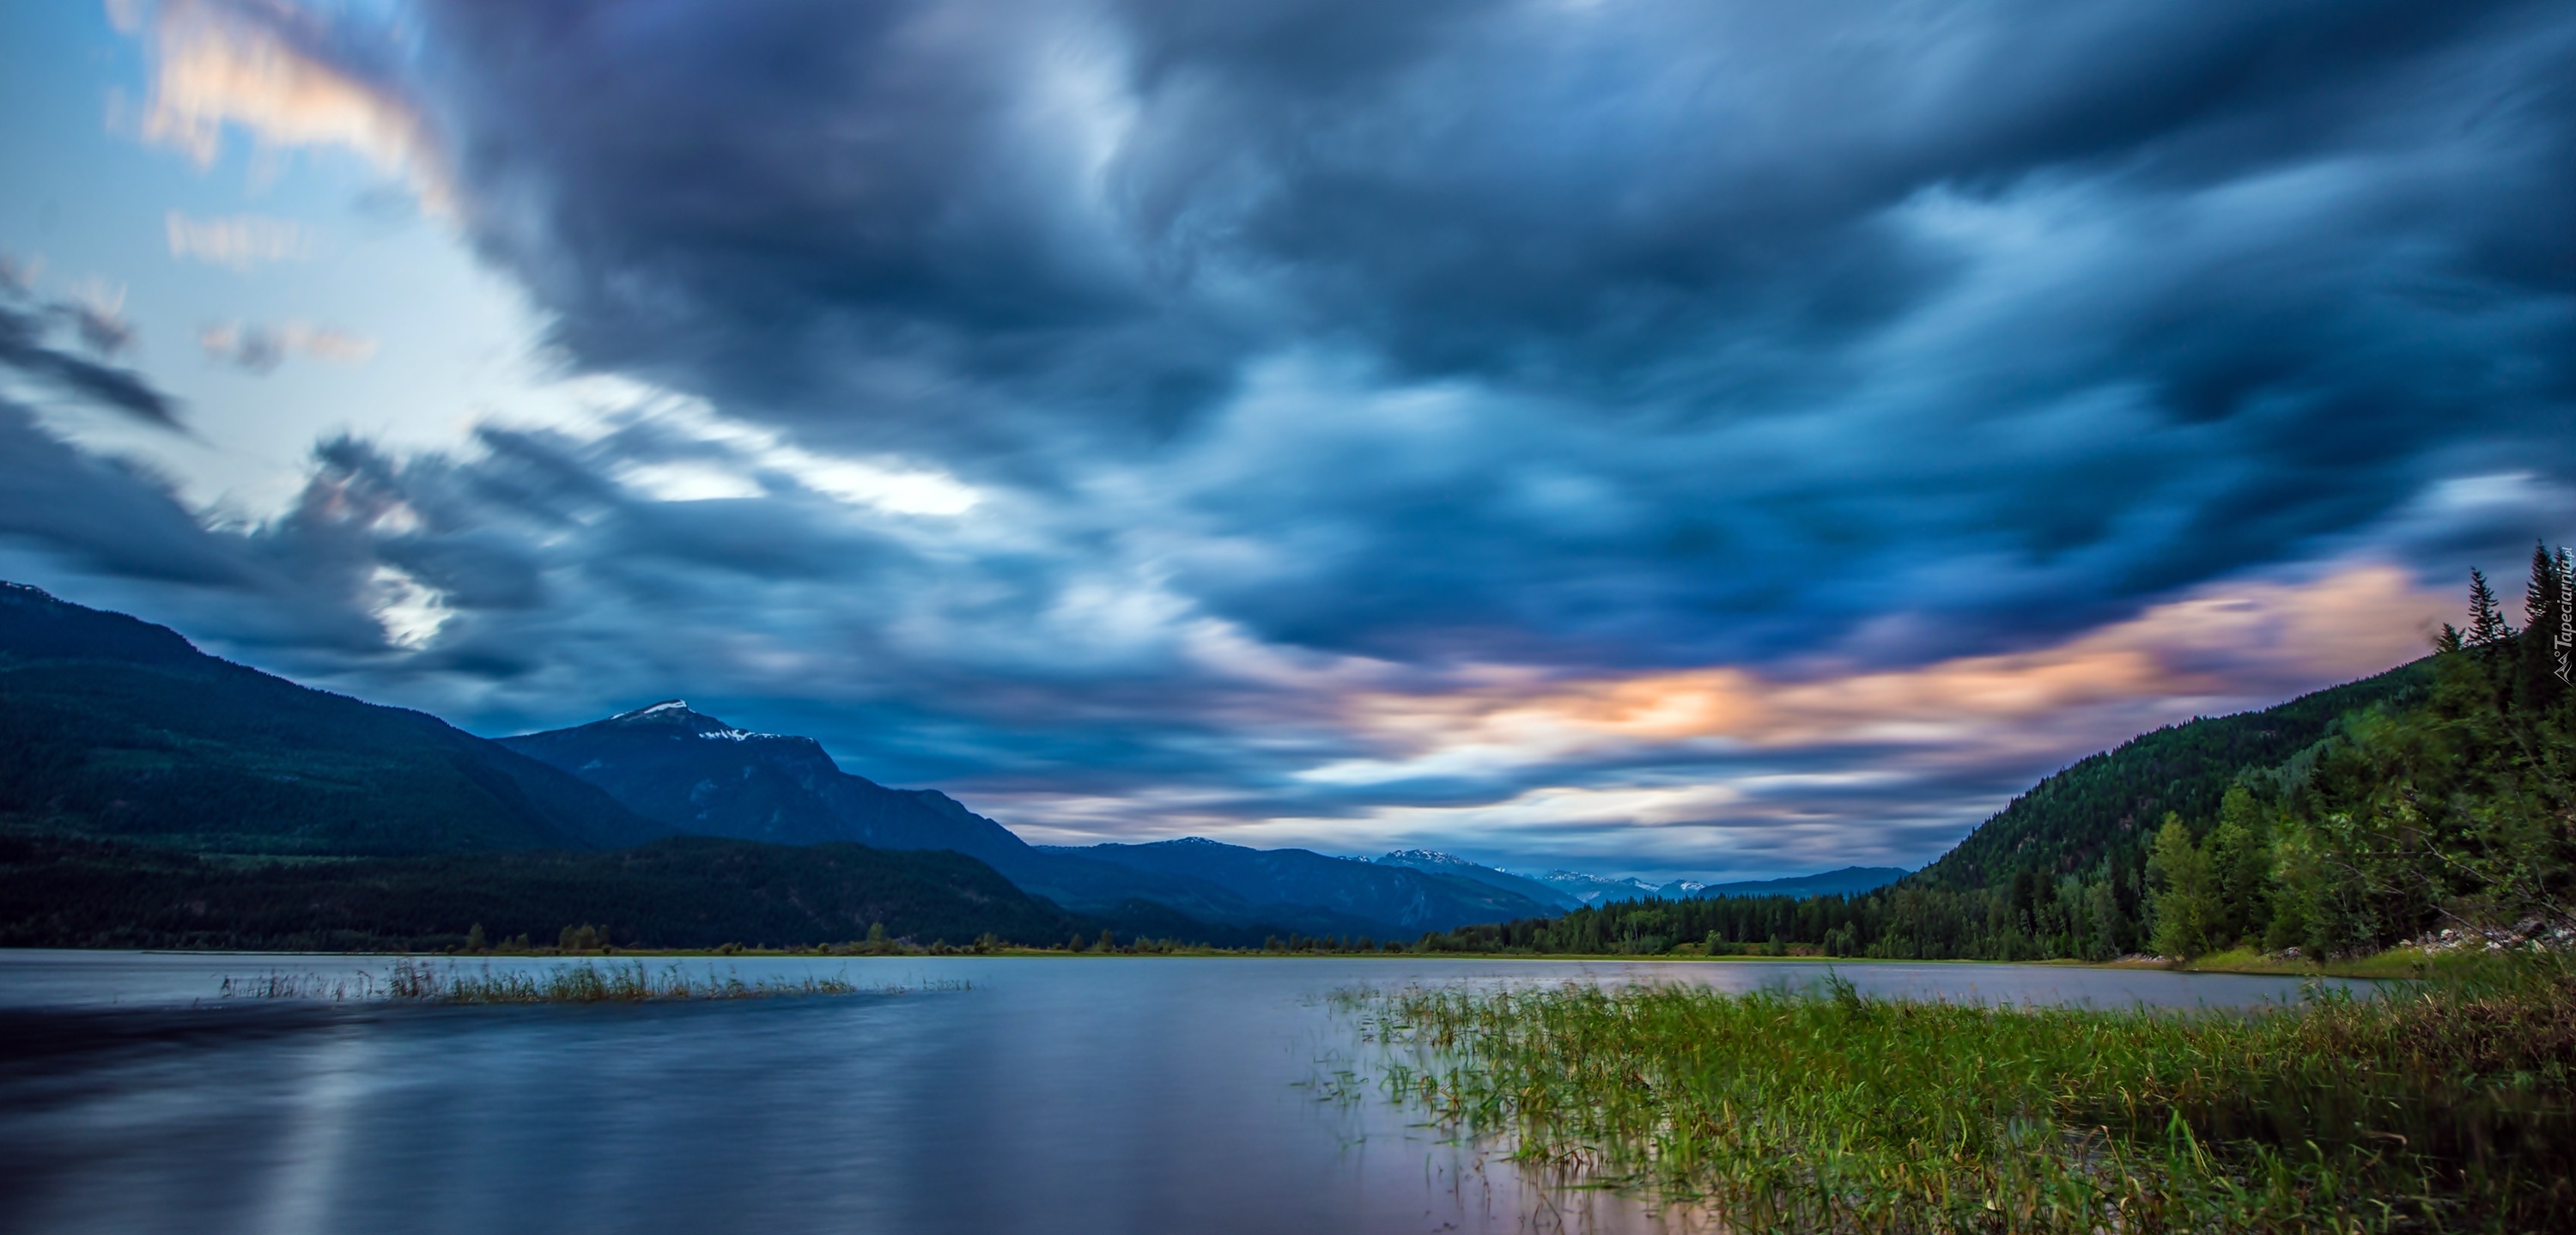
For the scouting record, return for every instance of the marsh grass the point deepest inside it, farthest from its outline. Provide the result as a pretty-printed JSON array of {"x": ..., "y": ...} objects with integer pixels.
[
  {"x": 2434, "y": 1108},
  {"x": 424, "y": 982}
]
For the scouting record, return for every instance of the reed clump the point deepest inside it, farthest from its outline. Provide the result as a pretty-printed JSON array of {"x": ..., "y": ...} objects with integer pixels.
[
  {"x": 2436, "y": 1108},
  {"x": 412, "y": 981}
]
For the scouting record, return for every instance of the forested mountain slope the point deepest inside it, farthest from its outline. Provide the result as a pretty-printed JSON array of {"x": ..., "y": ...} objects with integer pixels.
[
  {"x": 110, "y": 726},
  {"x": 2075, "y": 818},
  {"x": 679, "y": 892},
  {"x": 1846, "y": 881}
]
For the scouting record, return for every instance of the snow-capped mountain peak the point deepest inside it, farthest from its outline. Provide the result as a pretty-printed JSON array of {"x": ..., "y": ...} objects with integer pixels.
[
  {"x": 678, "y": 712},
  {"x": 1425, "y": 857}
]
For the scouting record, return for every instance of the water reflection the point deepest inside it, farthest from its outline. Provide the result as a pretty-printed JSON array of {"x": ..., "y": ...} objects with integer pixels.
[{"x": 1076, "y": 1095}]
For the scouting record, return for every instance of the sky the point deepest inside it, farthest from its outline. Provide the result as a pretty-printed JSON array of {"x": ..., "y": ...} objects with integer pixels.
[{"x": 1707, "y": 438}]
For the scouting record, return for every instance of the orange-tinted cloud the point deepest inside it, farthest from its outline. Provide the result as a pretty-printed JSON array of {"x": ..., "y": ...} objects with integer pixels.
[
  {"x": 256, "y": 66},
  {"x": 2226, "y": 646}
]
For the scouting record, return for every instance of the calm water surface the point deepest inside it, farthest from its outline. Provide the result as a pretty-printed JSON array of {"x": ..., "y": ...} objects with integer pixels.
[{"x": 1082, "y": 1095}]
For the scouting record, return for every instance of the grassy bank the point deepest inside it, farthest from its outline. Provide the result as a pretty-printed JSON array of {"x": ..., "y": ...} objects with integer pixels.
[
  {"x": 2392, "y": 963},
  {"x": 2436, "y": 1108}
]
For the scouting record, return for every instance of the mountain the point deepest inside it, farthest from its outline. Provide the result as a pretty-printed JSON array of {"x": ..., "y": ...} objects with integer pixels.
[
  {"x": 679, "y": 892},
  {"x": 1844, "y": 882},
  {"x": 1450, "y": 864},
  {"x": 1594, "y": 889},
  {"x": 697, "y": 774},
  {"x": 1382, "y": 900},
  {"x": 111, "y": 726},
  {"x": 2102, "y": 804}
]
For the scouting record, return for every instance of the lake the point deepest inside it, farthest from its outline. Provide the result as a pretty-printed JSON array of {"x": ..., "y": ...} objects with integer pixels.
[{"x": 1077, "y": 1094}]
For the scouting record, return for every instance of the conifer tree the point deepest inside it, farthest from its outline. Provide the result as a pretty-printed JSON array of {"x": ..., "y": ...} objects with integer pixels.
[
  {"x": 2540, "y": 594},
  {"x": 2536, "y": 687},
  {"x": 2565, "y": 640},
  {"x": 2486, "y": 620}
]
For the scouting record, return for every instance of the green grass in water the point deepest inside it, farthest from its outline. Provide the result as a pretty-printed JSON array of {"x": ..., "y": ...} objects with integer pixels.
[
  {"x": 423, "y": 982},
  {"x": 2433, "y": 1108}
]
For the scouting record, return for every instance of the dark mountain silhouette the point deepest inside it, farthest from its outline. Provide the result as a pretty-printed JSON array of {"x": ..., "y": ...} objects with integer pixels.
[
  {"x": 698, "y": 774},
  {"x": 111, "y": 726}
]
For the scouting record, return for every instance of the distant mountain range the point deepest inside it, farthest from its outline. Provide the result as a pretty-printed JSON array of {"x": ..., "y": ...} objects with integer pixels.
[
  {"x": 1564, "y": 889},
  {"x": 1541, "y": 891},
  {"x": 1387, "y": 901},
  {"x": 120, "y": 731},
  {"x": 1595, "y": 889},
  {"x": 1848, "y": 881}
]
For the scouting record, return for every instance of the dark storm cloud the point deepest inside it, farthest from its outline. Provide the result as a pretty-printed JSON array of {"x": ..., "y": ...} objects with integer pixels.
[
  {"x": 110, "y": 518},
  {"x": 2111, "y": 301},
  {"x": 110, "y": 533},
  {"x": 528, "y": 582}
]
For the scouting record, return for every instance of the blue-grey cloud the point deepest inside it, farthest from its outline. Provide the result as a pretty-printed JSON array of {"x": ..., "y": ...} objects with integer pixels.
[{"x": 27, "y": 323}]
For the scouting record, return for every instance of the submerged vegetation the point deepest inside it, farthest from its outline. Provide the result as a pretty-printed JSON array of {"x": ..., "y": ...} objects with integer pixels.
[
  {"x": 413, "y": 981},
  {"x": 2439, "y": 1108}
]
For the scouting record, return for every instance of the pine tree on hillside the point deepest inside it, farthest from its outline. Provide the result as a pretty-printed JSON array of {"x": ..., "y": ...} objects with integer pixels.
[
  {"x": 2566, "y": 633},
  {"x": 2486, "y": 620},
  {"x": 2541, "y": 592},
  {"x": 2536, "y": 685}
]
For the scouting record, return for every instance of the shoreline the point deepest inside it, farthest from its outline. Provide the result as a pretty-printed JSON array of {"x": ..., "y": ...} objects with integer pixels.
[{"x": 2395, "y": 964}]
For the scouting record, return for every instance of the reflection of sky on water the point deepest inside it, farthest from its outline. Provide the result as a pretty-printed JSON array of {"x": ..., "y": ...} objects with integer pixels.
[
  {"x": 1096, "y": 1095},
  {"x": 312, "y": 1160}
]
